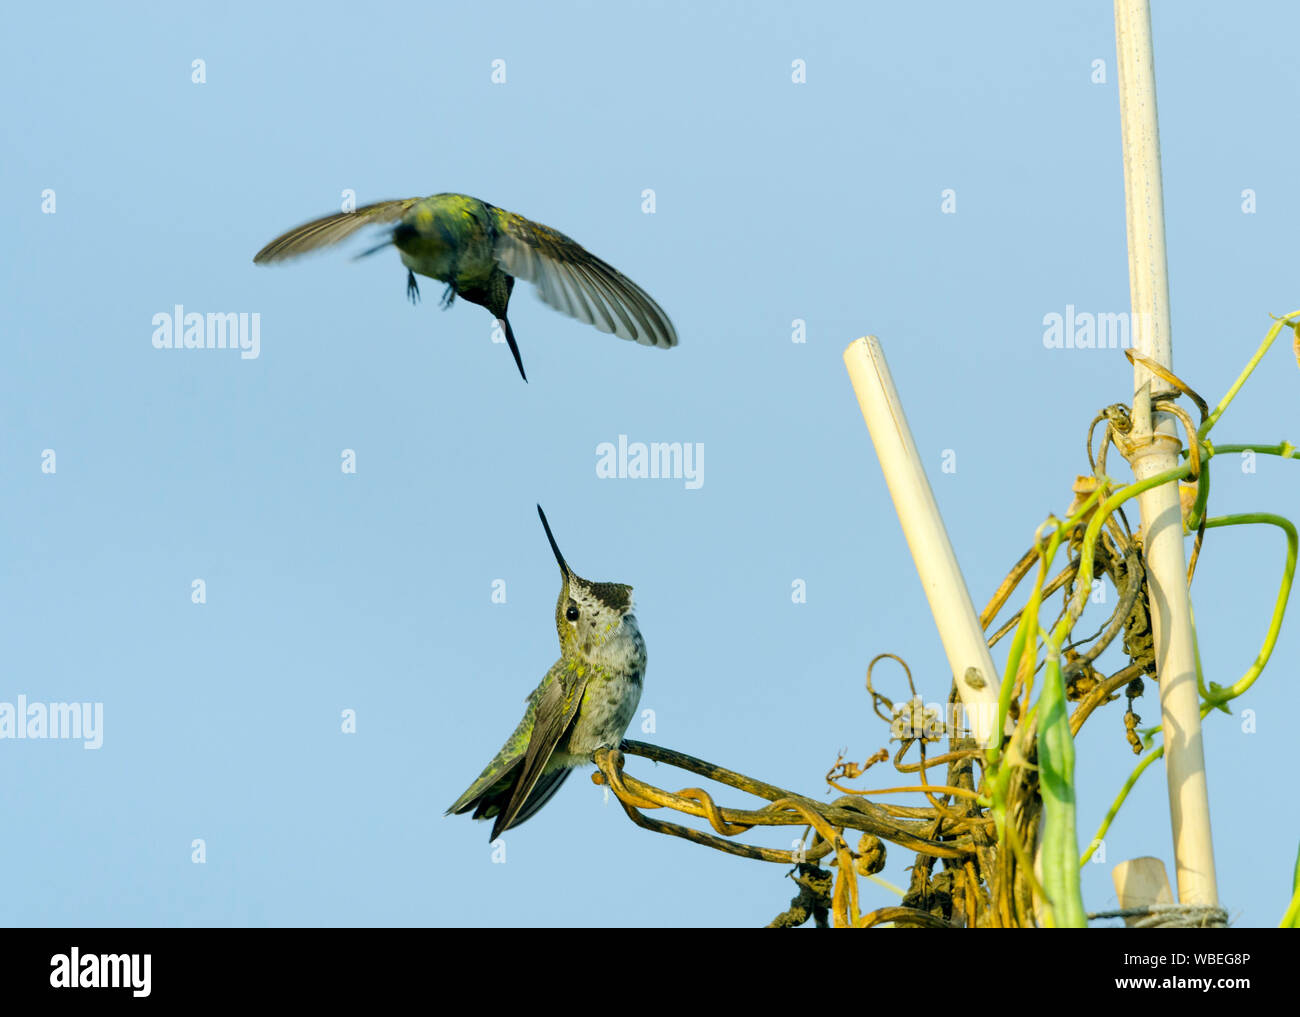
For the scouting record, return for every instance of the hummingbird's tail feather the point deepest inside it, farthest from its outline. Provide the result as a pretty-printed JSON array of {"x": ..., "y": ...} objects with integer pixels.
[
  {"x": 543, "y": 791},
  {"x": 493, "y": 800},
  {"x": 489, "y": 794},
  {"x": 514, "y": 346},
  {"x": 557, "y": 706}
]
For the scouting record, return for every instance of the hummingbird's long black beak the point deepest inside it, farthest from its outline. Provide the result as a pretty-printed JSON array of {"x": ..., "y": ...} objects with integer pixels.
[
  {"x": 554, "y": 547},
  {"x": 372, "y": 250}
]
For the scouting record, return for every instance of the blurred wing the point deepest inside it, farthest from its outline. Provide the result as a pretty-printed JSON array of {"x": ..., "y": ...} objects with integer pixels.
[
  {"x": 556, "y": 708},
  {"x": 573, "y": 280},
  {"x": 320, "y": 233}
]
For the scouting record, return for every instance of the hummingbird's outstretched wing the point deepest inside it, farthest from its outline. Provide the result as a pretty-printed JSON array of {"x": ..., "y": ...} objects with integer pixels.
[
  {"x": 556, "y": 708},
  {"x": 318, "y": 233},
  {"x": 573, "y": 280}
]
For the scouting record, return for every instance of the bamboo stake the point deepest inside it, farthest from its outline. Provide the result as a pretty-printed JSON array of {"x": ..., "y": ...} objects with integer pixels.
[
  {"x": 1156, "y": 446},
  {"x": 1141, "y": 883},
  {"x": 936, "y": 564}
]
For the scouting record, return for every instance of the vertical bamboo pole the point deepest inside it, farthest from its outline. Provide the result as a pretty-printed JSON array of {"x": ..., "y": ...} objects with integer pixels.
[
  {"x": 918, "y": 512},
  {"x": 1141, "y": 883},
  {"x": 1156, "y": 449}
]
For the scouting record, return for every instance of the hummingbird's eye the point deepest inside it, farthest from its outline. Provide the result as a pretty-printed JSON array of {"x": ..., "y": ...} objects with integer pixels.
[{"x": 572, "y": 613}]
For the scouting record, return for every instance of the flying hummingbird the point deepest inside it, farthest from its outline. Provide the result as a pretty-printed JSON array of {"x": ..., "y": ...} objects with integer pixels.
[
  {"x": 479, "y": 250},
  {"x": 584, "y": 703}
]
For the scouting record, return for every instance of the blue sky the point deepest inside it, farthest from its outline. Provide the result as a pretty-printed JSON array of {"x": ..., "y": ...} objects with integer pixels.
[{"x": 372, "y": 592}]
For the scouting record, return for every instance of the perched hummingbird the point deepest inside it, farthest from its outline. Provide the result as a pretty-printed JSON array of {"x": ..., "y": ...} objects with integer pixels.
[
  {"x": 584, "y": 703},
  {"x": 478, "y": 250}
]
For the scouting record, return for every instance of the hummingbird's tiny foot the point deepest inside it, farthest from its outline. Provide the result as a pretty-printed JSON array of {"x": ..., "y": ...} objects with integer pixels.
[
  {"x": 412, "y": 288},
  {"x": 448, "y": 296}
]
